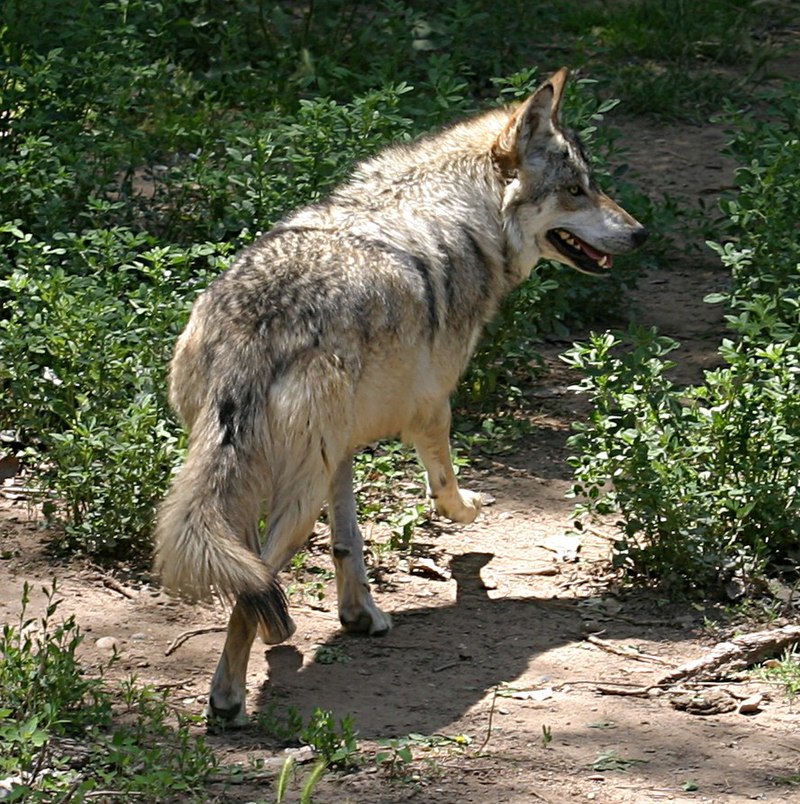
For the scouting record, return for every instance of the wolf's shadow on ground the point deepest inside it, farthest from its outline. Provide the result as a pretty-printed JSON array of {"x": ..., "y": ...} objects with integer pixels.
[{"x": 434, "y": 665}]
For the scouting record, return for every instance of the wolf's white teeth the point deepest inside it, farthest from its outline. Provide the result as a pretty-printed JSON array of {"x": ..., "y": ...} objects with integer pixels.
[
  {"x": 603, "y": 261},
  {"x": 568, "y": 238}
]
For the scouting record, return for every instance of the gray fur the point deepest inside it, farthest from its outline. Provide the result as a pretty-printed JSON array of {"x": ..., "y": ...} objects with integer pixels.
[{"x": 351, "y": 321}]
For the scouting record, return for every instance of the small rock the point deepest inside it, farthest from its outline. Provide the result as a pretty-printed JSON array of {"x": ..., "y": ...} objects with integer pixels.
[
  {"x": 108, "y": 644},
  {"x": 751, "y": 705},
  {"x": 565, "y": 546},
  {"x": 301, "y": 755},
  {"x": 735, "y": 589}
]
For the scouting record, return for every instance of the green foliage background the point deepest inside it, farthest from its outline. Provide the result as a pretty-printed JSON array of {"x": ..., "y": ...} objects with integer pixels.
[{"x": 141, "y": 144}]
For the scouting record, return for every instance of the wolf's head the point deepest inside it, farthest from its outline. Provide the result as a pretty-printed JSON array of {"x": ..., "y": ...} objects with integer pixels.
[{"x": 552, "y": 207}]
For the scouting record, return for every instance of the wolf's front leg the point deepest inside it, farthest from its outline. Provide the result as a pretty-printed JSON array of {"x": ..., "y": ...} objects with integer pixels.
[
  {"x": 357, "y": 609},
  {"x": 432, "y": 442}
]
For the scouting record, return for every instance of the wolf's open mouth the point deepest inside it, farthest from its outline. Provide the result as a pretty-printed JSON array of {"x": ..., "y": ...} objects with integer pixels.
[{"x": 579, "y": 252}]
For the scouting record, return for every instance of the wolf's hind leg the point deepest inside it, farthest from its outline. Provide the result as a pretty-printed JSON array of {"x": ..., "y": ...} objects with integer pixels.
[
  {"x": 290, "y": 523},
  {"x": 357, "y": 609},
  {"x": 432, "y": 441},
  {"x": 267, "y": 612},
  {"x": 226, "y": 702}
]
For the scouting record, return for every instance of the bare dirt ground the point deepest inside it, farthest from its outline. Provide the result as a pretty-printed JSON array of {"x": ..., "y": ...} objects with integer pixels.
[{"x": 489, "y": 658}]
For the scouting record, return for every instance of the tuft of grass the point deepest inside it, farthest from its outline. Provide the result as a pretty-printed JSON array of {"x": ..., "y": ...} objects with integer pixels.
[
  {"x": 336, "y": 744},
  {"x": 612, "y": 761},
  {"x": 784, "y": 671},
  {"x": 67, "y": 735}
]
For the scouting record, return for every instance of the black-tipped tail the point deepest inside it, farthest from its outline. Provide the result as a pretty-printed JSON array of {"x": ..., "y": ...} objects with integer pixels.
[{"x": 270, "y": 608}]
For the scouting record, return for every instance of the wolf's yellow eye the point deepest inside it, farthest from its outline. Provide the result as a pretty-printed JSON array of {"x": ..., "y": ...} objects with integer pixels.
[{"x": 575, "y": 189}]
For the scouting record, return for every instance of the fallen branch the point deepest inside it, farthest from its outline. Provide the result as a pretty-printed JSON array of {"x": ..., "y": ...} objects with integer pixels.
[
  {"x": 733, "y": 655},
  {"x": 170, "y": 685},
  {"x": 247, "y": 777},
  {"x": 633, "y": 692},
  {"x": 446, "y": 666},
  {"x": 116, "y": 586},
  {"x": 15, "y": 491},
  {"x": 628, "y": 653},
  {"x": 187, "y": 635},
  {"x": 112, "y": 583}
]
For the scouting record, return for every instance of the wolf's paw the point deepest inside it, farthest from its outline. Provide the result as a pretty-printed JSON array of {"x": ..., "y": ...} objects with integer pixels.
[
  {"x": 225, "y": 717},
  {"x": 463, "y": 510},
  {"x": 365, "y": 619}
]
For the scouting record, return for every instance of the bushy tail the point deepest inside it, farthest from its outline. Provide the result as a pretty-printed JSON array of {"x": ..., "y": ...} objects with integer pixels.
[{"x": 201, "y": 539}]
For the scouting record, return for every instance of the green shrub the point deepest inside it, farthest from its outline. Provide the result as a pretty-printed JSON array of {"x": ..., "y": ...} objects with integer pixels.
[
  {"x": 705, "y": 478},
  {"x": 87, "y": 331},
  {"x": 41, "y": 684}
]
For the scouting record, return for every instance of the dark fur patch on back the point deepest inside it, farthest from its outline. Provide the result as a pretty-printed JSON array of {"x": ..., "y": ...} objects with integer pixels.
[
  {"x": 270, "y": 607},
  {"x": 423, "y": 270},
  {"x": 227, "y": 421},
  {"x": 466, "y": 276}
]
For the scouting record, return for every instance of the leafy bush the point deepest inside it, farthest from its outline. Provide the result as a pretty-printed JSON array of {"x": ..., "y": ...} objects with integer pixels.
[
  {"x": 87, "y": 333},
  {"x": 705, "y": 478}
]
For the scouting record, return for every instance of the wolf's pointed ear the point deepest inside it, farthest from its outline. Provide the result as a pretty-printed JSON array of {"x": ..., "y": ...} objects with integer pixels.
[{"x": 536, "y": 116}]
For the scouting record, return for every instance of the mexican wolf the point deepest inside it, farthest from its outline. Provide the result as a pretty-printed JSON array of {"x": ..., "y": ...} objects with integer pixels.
[{"x": 352, "y": 321}]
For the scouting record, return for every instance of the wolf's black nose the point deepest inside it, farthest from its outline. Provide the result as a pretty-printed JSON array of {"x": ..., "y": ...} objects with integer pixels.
[{"x": 640, "y": 235}]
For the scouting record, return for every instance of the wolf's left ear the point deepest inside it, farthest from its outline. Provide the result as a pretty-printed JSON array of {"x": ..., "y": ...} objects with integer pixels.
[{"x": 535, "y": 117}]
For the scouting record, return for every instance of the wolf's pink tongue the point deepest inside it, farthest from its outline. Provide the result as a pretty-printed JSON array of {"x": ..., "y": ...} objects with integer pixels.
[{"x": 597, "y": 255}]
